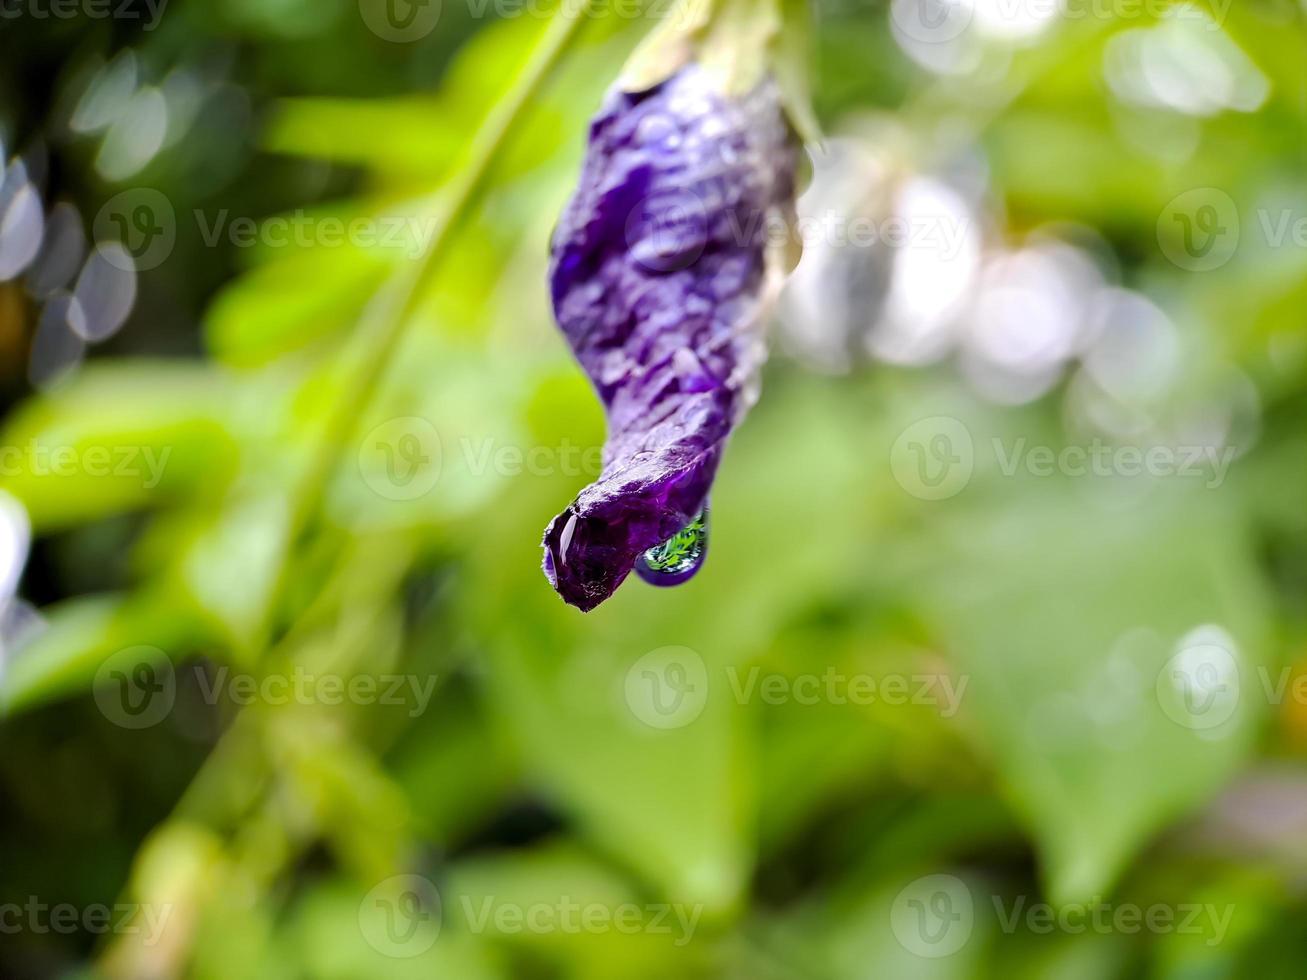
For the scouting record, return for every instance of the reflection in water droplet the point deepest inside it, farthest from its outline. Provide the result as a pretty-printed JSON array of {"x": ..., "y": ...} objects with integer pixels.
[{"x": 679, "y": 557}]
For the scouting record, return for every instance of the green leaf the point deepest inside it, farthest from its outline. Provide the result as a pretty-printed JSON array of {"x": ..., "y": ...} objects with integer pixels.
[
  {"x": 1114, "y": 639},
  {"x": 118, "y": 437},
  {"x": 584, "y": 917},
  {"x": 288, "y": 304},
  {"x": 82, "y": 634},
  {"x": 407, "y": 137}
]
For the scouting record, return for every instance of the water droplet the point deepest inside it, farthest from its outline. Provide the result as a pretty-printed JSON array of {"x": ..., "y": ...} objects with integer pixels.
[{"x": 679, "y": 557}]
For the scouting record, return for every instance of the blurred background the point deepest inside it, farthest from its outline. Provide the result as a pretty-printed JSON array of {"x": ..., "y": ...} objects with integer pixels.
[{"x": 998, "y": 662}]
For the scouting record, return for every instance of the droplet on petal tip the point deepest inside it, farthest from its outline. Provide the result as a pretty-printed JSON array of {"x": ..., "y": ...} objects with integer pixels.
[{"x": 679, "y": 558}]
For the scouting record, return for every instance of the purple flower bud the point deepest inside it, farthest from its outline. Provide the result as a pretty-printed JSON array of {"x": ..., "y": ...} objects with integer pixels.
[{"x": 661, "y": 282}]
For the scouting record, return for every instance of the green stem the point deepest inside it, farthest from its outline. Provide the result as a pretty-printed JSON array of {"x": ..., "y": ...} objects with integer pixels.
[{"x": 402, "y": 295}]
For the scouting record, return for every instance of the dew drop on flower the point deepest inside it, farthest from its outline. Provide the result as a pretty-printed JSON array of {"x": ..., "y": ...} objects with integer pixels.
[{"x": 679, "y": 557}]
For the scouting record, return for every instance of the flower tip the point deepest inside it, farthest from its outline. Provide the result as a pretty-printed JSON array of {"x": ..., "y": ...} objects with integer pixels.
[{"x": 583, "y": 559}]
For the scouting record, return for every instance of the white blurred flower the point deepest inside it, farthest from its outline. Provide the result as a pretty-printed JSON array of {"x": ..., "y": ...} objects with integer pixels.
[
  {"x": 1027, "y": 320},
  {"x": 932, "y": 275},
  {"x": 1186, "y": 64},
  {"x": 893, "y": 268}
]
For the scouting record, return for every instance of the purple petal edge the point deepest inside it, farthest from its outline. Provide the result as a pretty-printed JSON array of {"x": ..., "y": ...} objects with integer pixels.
[{"x": 659, "y": 278}]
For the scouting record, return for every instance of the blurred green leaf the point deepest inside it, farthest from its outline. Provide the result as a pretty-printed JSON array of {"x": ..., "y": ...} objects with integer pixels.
[
  {"x": 1116, "y": 663},
  {"x": 81, "y": 634},
  {"x": 118, "y": 437}
]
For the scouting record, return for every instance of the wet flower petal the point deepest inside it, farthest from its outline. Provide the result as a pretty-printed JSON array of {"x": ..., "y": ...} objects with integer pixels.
[{"x": 661, "y": 280}]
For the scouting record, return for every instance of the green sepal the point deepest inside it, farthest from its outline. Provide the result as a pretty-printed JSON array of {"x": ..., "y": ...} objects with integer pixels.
[{"x": 739, "y": 43}]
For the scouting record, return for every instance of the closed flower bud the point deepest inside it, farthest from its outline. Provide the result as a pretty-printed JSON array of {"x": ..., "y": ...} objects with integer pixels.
[{"x": 661, "y": 279}]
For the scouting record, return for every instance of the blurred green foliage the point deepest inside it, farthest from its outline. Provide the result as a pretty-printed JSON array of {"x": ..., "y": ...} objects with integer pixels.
[{"x": 778, "y": 838}]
